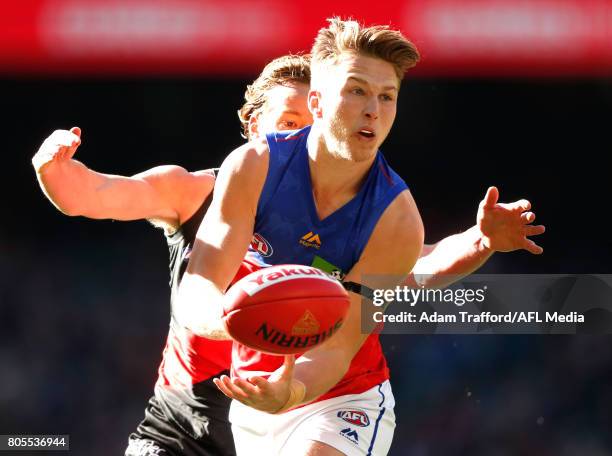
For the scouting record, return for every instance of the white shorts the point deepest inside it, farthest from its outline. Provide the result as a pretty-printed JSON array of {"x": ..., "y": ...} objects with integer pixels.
[{"x": 355, "y": 424}]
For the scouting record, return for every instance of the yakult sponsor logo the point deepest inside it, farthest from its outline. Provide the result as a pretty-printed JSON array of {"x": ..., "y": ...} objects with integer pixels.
[
  {"x": 277, "y": 274},
  {"x": 355, "y": 417}
]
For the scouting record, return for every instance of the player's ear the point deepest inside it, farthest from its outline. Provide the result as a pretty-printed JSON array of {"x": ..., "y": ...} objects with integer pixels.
[
  {"x": 253, "y": 126},
  {"x": 314, "y": 104}
]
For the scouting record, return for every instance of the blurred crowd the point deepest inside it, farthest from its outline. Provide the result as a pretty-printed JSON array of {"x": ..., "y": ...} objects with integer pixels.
[
  {"x": 80, "y": 341},
  {"x": 84, "y": 305}
]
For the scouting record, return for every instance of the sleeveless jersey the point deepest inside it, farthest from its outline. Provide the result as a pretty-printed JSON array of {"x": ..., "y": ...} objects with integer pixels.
[{"x": 288, "y": 230}]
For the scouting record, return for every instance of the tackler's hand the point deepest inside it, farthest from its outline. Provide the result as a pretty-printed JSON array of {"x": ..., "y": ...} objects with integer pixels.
[{"x": 59, "y": 147}]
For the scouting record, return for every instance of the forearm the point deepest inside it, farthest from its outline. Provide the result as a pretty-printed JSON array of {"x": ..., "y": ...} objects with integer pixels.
[
  {"x": 70, "y": 186},
  {"x": 320, "y": 370},
  {"x": 450, "y": 259},
  {"x": 199, "y": 307}
]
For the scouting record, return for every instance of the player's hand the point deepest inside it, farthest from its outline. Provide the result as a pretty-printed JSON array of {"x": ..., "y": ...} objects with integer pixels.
[
  {"x": 59, "y": 147},
  {"x": 507, "y": 226},
  {"x": 266, "y": 395}
]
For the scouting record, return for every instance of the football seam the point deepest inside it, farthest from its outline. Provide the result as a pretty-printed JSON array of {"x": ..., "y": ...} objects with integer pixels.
[{"x": 276, "y": 300}]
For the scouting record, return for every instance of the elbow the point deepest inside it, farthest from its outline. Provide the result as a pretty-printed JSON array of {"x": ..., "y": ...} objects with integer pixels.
[
  {"x": 70, "y": 211},
  {"x": 416, "y": 279},
  {"x": 423, "y": 280},
  {"x": 66, "y": 208},
  {"x": 64, "y": 202}
]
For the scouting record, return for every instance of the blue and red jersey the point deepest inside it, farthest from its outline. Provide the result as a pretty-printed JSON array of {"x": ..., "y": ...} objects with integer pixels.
[{"x": 288, "y": 230}]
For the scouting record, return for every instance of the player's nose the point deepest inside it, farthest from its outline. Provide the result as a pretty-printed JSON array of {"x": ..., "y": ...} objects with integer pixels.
[{"x": 372, "y": 108}]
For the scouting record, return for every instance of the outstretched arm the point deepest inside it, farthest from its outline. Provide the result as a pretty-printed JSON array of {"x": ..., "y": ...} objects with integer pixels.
[
  {"x": 500, "y": 227},
  {"x": 166, "y": 194}
]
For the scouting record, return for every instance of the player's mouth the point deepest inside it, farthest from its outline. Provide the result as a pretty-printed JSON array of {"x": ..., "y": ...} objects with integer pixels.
[{"x": 366, "y": 133}]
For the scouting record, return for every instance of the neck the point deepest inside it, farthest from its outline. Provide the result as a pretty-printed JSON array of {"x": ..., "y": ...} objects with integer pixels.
[{"x": 335, "y": 180}]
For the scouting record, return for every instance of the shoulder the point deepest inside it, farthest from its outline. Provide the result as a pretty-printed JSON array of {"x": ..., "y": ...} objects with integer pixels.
[
  {"x": 242, "y": 176},
  {"x": 401, "y": 223},
  {"x": 397, "y": 239},
  {"x": 247, "y": 163}
]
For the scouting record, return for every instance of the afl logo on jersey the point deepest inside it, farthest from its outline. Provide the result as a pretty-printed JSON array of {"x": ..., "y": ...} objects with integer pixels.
[
  {"x": 261, "y": 246},
  {"x": 355, "y": 417}
]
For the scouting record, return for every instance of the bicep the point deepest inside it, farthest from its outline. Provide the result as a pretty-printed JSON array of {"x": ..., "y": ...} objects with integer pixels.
[
  {"x": 227, "y": 228},
  {"x": 394, "y": 246},
  {"x": 389, "y": 255},
  {"x": 220, "y": 244}
]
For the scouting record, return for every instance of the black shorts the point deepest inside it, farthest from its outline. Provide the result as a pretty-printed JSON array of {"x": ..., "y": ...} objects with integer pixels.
[{"x": 184, "y": 423}]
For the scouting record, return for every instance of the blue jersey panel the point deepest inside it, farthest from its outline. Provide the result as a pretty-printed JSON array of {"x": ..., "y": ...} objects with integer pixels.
[{"x": 287, "y": 227}]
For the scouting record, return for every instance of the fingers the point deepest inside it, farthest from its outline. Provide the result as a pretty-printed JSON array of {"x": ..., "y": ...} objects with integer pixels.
[
  {"x": 65, "y": 143},
  {"x": 65, "y": 138},
  {"x": 246, "y": 387},
  {"x": 250, "y": 392},
  {"x": 221, "y": 386},
  {"x": 491, "y": 197},
  {"x": 534, "y": 230},
  {"x": 221, "y": 383},
  {"x": 519, "y": 206},
  {"x": 60, "y": 145},
  {"x": 532, "y": 247},
  {"x": 527, "y": 217},
  {"x": 227, "y": 387},
  {"x": 240, "y": 389},
  {"x": 75, "y": 142},
  {"x": 259, "y": 382}
]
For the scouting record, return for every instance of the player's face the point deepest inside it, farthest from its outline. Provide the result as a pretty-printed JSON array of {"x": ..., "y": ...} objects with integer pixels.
[
  {"x": 286, "y": 108},
  {"x": 358, "y": 105}
]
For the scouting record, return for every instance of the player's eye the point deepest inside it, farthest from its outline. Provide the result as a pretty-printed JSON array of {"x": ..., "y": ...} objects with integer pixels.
[
  {"x": 386, "y": 97},
  {"x": 358, "y": 91},
  {"x": 287, "y": 125}
]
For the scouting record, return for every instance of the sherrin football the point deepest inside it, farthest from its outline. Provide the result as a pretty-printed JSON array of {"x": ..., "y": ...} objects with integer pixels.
[{"x": 285, "y": 309}]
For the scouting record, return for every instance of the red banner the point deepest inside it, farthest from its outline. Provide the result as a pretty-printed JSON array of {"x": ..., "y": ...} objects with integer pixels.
[{"x": 154, "y": 37}]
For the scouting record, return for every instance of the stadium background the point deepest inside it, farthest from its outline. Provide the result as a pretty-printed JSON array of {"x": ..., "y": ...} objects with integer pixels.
[{"x": 84, "y": 304}]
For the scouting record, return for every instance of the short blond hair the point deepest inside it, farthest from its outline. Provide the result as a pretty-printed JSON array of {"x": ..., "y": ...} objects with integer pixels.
[
  {"x": 288, "y": 69},
  {"x": 379, "y": 41}
]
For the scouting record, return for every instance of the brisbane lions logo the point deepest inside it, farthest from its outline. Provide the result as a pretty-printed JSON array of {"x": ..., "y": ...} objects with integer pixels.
[{"x": 261, "y": 246}]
